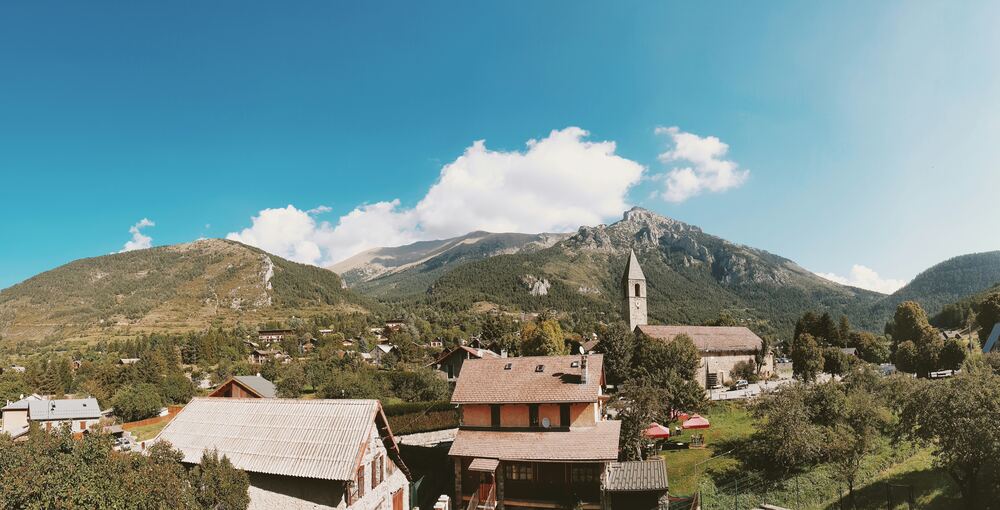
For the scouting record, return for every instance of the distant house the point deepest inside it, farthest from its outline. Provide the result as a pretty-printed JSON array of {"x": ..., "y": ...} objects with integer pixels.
[
  {"x": 128, "y": 361},
  {"x": 308, "y": 346},
  {"x": 993, "y": 341},
  {"x": 77, "y": 414},
  {"x": 245, "y": 386},
  {"x": 273, "y": 335},
  {"x": 316, "y": 454},
  {"x": 258, "y": 356},
  {"x": 348, "y": 342},
  {"x": 325, "y": 331},
  {"x": 15, "y": 415},
  {"x": 450, "y": 362},
  {"x": 15, "y": 368},
  {"x": 379, "y": 353},
  {"x": 850, "y": 351},
  {"x": 436, "y": 343},
  {"x": 395, "y": 324}
]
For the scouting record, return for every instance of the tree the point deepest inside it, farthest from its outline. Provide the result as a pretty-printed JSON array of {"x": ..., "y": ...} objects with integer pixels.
[
  {"x": 952, "y": 354},
  {"x": 786, "y": 439},
  {"x": 908, "y": 322},
  {"x": 352, "y": 383},
  {"x": 176, "y": 388},
  {"x": 133, "y": 403},
  {"x": 744, "y": 370},
  {"x": 856, "y": 436},
  {"x": 958, "y": 418},
  {"x": 906, "y": 357},
  {"x": 617, "y": 344},
  {"x": 807, "y": 357},
  {"x": 871, "y": 348},
  {"x": 218, "y": 485},
  {"x": 639, "y": 403},
  {"x": 760, "y": 356},
  {"x": 293, "y": 379},
  {"x": 989, "y": 315},
  {"x": 656, "y": 360},
  {"x": 545, "y": 339},
  {"x": 835, "y": 361}
]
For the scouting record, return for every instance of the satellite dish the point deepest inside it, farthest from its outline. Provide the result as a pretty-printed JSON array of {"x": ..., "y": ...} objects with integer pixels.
[{"x": 546, "y": 423}]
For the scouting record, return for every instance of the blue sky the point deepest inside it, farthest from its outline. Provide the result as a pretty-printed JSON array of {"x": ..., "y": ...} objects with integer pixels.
[{"x": 855, "y": 133}]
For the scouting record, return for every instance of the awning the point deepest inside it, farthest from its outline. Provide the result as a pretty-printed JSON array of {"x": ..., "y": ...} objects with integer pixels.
[
  {"x": 657, "y": 431},
  {"x": 696, "y": 422},
  {"x": 484, "y": 465}
]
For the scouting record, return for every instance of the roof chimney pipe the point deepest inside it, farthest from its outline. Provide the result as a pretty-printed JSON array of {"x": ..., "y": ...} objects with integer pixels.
[{"x": 583, "y": 369}]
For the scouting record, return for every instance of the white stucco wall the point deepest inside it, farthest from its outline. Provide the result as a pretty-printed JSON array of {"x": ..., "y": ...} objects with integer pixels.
[{"x": 15, "y": 420}]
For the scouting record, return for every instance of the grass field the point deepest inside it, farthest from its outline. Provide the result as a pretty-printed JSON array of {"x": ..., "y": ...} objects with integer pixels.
[
  {"x": 724, "y": 482},
  {"x": 147, "y": 432}
]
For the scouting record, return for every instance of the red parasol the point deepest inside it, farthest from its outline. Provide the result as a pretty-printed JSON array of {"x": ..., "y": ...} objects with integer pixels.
[
  {"x": 657, "y": 431},
  {"x": 696, "y": 422}
]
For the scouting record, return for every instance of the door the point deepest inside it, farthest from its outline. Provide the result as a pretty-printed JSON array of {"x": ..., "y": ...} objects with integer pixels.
[{"x": 397, "y": 500}]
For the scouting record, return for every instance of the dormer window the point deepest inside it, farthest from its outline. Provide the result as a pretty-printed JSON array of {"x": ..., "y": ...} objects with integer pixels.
[
  {"x": 540, "y": 368},
  {"x": 507, "y": 366},
  {"x": 575, "y": 364}
]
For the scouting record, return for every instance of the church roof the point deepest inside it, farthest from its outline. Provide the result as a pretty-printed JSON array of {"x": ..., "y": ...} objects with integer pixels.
[
  {"x": 708, "y": 338},
  {"x": 632, "y": 269}
]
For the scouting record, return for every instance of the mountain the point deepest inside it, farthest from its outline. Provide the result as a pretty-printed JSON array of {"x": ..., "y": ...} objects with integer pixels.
[
  {"x": 168, "y": 288},
  {"x": 953, "y": 280},
  {"x": 409, "y": 270},
  {"x": 692, "y": 277}
]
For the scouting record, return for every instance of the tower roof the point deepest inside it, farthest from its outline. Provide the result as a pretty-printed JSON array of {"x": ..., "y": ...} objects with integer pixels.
[{"x": 632, "y": 269}]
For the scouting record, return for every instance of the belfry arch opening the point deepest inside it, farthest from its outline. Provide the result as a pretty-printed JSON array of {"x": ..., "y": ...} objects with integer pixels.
[{"x": 637, "y": 287}]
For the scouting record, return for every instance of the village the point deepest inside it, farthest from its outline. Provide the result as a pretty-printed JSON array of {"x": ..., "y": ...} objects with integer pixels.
[{"x": 515, "y": 431}]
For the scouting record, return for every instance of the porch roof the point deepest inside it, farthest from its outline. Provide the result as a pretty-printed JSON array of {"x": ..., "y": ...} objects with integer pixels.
[{"x": 588, "y": 444}]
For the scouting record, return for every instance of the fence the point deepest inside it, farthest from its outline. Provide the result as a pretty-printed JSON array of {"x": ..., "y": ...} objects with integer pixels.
[{"x": 171, "y": 412}]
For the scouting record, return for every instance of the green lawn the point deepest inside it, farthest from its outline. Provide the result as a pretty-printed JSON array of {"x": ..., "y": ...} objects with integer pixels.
[
  {"x": 725, "y": 483},
  {"x": 147, "y": 432}
]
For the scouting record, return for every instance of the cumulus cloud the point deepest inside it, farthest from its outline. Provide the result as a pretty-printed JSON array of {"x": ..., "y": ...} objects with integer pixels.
[
  {"x": 866, "y": 278},
  {"x": 698, "y": 166},
  {"x": 555, "y": 184},
  {"x": 139, "y": 240}
]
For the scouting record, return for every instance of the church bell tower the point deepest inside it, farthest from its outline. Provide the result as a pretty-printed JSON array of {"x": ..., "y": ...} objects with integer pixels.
[{"x": 634, "y": 288}]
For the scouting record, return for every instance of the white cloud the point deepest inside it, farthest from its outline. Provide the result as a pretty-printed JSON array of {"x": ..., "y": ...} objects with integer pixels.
[
  {"x": 556, "y": 184},
  {"x": 698, "y": 166},
  {"x": 139, "y": 240},
  {"x": 866, "y": 278}
]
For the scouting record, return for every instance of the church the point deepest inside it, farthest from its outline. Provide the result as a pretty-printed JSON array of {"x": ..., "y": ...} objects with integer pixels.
[{"x": 720, "y": 347}]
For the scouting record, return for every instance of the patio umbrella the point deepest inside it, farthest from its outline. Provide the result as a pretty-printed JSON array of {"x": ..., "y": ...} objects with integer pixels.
[
  {"x": 657, "y": 431},
  {"x": 696, "y": 422}
]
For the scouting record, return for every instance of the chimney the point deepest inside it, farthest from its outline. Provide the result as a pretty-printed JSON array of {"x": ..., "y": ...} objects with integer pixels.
[
  {"x": 503, "y": 353},
  {"x": 583, "y": 369}
]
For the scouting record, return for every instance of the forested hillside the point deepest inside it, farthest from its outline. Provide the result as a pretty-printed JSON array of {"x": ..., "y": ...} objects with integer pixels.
[{"x": 169, "y": 288}]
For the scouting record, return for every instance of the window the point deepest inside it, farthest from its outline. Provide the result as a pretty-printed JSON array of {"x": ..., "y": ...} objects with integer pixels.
[
  {"x": 637, "y": 287},
  {"x": 533, "y": 415},
  {"x": 495, "y": 416},
  {"x": 519, "y": 471},
  {"x": 83, "y": 425},
  {"x": 374, "y": 473},
  {"x": 507, "y": 366},
  {"x": 564, "y": 415},
  {"x": 584, "y": 474},
  {"x": 540, "y": 368},
  {"x": 360, "y": 482}
]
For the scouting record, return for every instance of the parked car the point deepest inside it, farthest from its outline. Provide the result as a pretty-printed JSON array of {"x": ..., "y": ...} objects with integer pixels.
[{"x": 742, "y": 384}]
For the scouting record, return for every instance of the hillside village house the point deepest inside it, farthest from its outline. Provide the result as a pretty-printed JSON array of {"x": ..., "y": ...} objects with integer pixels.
[
  {"x": 273, "y": 335},
  {"x": 533, "y": 435},
  {"x": 378, "y": 354},
  {"x": 245, "y": 386},
  {"x": 720, "y": 347},
  {"x": 299, "y": 454},
  {"x": 450, "y": 362},
  {"x": 77, "y": 414}
]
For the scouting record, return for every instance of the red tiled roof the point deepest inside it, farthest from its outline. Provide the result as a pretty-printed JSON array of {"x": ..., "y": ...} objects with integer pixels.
[
  {"x": 488, "y": 381},
  {"x": 473, "y": 353},
  {"x": 708, "y": 338},
  {"x": 587, "y": 444}
]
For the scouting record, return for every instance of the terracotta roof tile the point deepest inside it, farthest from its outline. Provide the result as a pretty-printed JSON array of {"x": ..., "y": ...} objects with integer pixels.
[
  {"x": 597, "y": 443},
  {"x": 708, "y": 338},
  {"x": 489, "y": 381}
]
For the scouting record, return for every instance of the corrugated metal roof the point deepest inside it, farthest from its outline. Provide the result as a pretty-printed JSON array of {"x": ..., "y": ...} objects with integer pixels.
[
  {"x": 304, "y": 438},
  {"x": 634, "y": 476},
  {"x": 597, "y": 443},
  {"x": 261, "y": 386},
  {"x": 709, "y": 338},
  {"x": 21, "y": 404},
  {"x": 65, "y": 409},
  {"x": 490, "y": 381}
]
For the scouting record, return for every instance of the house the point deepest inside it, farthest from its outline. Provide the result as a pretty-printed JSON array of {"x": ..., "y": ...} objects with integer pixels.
[
  {"x": 128, "y": 361},
  {"x": 15, "y": 415},
  {"x": 308, "y": 346},
  {"x": 273, "y": 335},
  {"x": 15, "y": 368},
  {"x": 348, "y": 342},
  {"x": 992, "y": 342},
  {"x": 395, "y": 324},
  {"x": 245, "y": 386},
  {"x": 379, "y": 353},
  {"x": 78, "y": 414},
  {"x": 450, "y": 362},
  {"x": 316, "y": 454},
  {"x": 850, "y": 351},
  {"x": 326, "y": 331},
  {"x": 533, "y": 434},
  {"x": 258, "y": 356},
  {"x": 436, "y": 343},
  {"x": 720, "y": 347}
]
